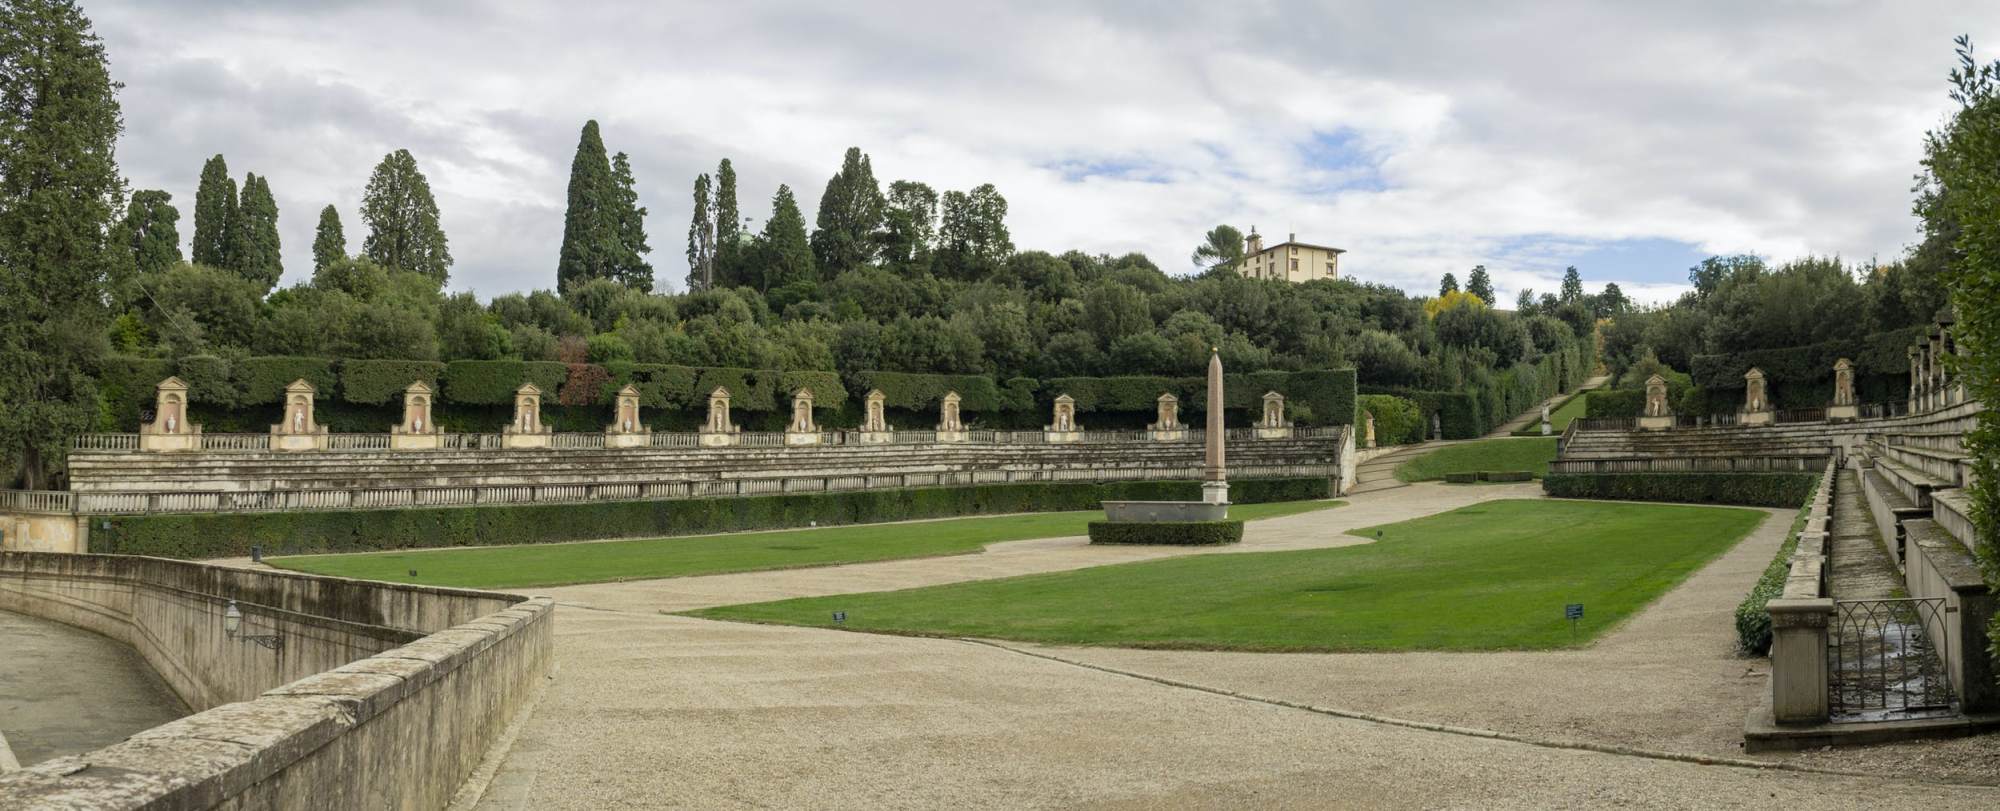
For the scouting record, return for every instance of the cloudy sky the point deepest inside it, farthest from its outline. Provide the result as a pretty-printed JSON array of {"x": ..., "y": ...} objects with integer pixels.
[{"x": 1629, "y": 139}]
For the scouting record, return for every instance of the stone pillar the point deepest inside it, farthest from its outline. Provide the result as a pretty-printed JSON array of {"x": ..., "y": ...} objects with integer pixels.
[
  {"x": 417, "y": 431},
  {"x": 1546, "y": 427},
  {"x": 875, "y": 428},
  {"x": 801, "y": 430},
  {"x": 527, "y": 430},
  {"x": 1798, "y": 659},
  {"x": 1845, "y": 405},
  {"x": 1916, "y": 375},
  {"x": 718, "y": 431},
  {"x": 1214, "y": 475},
  {"x": 170, "y": 430},
  {"x": 1658, "y": 416},
  {"x": 950, "y": 428},
  {"x": 627, "y": 430},
  {"x": 298, "y": 431},
  {"x": 1274, "y": 425},
  {"x": 1368, "y": 420},
  {"x": 1167, "y": 426},
  {"x": 1935, "y": 354},
  {"x": 1756, "y": 403},
  {"x": 1063, "y": 427}
]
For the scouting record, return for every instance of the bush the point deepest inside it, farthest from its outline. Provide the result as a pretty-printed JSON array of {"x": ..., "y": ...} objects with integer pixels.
[
  {"x": 1461, "y": 415},
  {"x": 921, "y": 392},
  {"x": 1167, "y": 533},
  {"x": 209, "y": 382},
  {"x": 1753, "y": 617},
  {"x": 1465, "y": 477},
  {"x": 1398, "y": 420},
  {"x": 374, "y": 382},
  {"x": 232, "y": 534},
  {"x": 749, "y": 389},
  {"x": 1744, "y": 489},
  {"x": 493, "y": 382},
  {"x": 261, "y": 381},
  {"x": 1618, "y": 404},
  {"x": 1506, "y": 476},
  {"x": 127, "y": 386}
]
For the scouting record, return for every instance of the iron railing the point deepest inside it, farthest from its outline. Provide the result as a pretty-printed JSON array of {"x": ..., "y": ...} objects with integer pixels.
[{"x": 1885, "y": 659}]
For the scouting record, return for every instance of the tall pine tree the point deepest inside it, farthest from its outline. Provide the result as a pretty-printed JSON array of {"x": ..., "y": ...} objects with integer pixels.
[
  {"x": 1448, "y": 284},
  {"x": 728, "y": 228},
  {"x": 590, "y": 244},
  {"x": 631, "y": 268},
  {"x": 253, "y": 234},
  {"x": 1572, "y": 287},
  {"x": 786, "y": 255},
  {"x": 402, "y": 218},
  {"x": 701, "y": 239},
  {"x": 850, "y": 214},
  {"x": 214, "y": 214},
  {"x": 151, "y": 232},
  {"x": 329, "y": 241},
  {"x": 1480, "y": 284},
  {"x": 59, "y": 192}
]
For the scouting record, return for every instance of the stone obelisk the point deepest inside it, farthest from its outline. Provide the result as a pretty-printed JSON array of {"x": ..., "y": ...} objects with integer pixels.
[{"x": 1215, "y": 483}]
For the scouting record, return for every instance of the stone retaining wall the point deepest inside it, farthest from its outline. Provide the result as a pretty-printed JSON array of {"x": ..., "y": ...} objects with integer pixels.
[{"x": 379, "y": 696}]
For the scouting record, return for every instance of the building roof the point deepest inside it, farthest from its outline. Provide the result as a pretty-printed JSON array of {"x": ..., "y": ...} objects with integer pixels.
[{"x": 1302, "y": 245}]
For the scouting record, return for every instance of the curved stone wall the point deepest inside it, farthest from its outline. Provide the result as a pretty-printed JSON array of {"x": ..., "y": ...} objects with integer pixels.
[{"x": 380, "y": 695}]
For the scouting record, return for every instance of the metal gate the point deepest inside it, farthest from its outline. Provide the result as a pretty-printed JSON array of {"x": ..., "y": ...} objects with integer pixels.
[{"x": 1882, "y": 661}]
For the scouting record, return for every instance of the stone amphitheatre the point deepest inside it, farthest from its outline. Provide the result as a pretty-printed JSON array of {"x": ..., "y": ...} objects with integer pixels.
[{"x": 1500, "y": 643}]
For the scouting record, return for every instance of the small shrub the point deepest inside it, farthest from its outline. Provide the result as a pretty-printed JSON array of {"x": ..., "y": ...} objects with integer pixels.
[
  {"x": 1743, "y": 489},
  {"x": 1167, "y": 533},
  {"x": 1467, "y": 477},
  {"x": 1506, "y": 476},
  {"x": 1753, "y": 616}
]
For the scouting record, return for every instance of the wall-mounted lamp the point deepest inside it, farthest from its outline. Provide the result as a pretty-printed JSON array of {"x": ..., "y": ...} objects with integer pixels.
[{"x": 232, "y": 622}]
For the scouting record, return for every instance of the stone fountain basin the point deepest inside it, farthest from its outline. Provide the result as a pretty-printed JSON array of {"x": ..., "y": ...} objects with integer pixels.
[{"x": 1154, "y": 512}]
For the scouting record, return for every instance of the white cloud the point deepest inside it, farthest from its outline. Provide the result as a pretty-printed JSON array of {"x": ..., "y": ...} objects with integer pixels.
[{"x": 1504, "y": 134}]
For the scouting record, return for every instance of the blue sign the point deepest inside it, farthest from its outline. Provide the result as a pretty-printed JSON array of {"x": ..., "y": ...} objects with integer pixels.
[
  {"x": 839, "y": 617},
  {"x": 1573, "y": 611}
]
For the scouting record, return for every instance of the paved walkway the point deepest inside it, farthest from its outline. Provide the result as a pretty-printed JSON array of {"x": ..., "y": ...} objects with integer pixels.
[
  {"x": 1861, "y": 569},
  {"x": 98, "y": 693},
  {"x": 1534, "y": 415},
  {"x": 656, "y": 710}
]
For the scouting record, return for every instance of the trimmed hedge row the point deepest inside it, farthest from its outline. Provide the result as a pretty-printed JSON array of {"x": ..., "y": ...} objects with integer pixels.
[
  {"x": 1753, "y": 616},
  {"x": 1744, "y": 489},
  {"x": 1457, "y": 412},
  {"x": 1398, "y": 421},
  {"x": 232, "y": 534},
  {"x": 1167, "y": 533}
]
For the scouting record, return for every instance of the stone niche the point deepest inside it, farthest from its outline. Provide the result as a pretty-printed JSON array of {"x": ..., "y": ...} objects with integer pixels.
[
  {"x": 1658, "y": 416},
  {"x": 1273, "y": 424},
  {"x": 170, "y": 430},
  {"x": 298, "y": 431},
  {"x": 626, "y": 429},
  {"x": 1063, "y": 427},
  {"x": 718, "y": 431},
  {"x": 875, "y": 428},
  {"x": 417, "y": 431},
  {"x": 802, "y": 430},
  {"x": 1756, "y": 402},
  {"x": 1845, "y": 405},
  {"x": 527, "y": 430},
  {"x": 1167, "y": 425},
  {"x": 950, "y": 427}
]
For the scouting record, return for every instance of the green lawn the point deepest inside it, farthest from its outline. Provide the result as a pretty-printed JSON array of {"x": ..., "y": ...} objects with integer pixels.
[
  {"x": 1531, "y": 454},
  {"x": 1560, "y": 418},
  {"x": 567, "y": 563},
  {"x": 1487, "y": 577}
]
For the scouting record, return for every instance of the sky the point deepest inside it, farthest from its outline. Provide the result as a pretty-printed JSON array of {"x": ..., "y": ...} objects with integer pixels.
[{"x": 1627, "y": 139}]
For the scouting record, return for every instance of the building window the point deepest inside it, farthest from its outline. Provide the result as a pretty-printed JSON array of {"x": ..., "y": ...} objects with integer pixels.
[
  {"x": 1329, "y": 268},
  {"x": 1295, "y": 265}
]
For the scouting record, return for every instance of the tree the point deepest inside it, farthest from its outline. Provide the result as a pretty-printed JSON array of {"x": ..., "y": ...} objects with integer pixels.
[
  {"x": 329, "y": 241},
  {"x": 1479, "y": 284},
  {"x": 402, "y": 218},
  {"x": 728, "y": 227},
  {"x": 214, "y": 214},
  {"x": 850, "y": 214},
  {"x": 1572, "y": 289},
  {"x": 1449, "y": 284},
  {"x": 973, "y": 231},
  {"x": 909, "y": 223},
  {"x": 1611, "y": 301},
  {"x": 590, "y": 242},
  {"x": 1524, "y": 302},
  {"x": 1220, "y": 249},
  {"x": 630, "y": 267},
  {"x": 785, "y": 255},
  {"x": 253, "y": 234},
  {"x": 59, "y": 192},
  {"x": 701, "y": 239},
  {"x": 149, "y": 231}
]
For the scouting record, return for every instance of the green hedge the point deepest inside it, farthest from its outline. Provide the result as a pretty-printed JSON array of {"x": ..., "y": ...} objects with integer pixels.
[
  {"x": 1398, "y": 421},
  {"x": 1461, "y": 477},
  {"x": 493, "y": 382},
  {"x": 212, "y": 535},
  {"x": 1614, "y": 403},
  {"x": 1167, "y": 533},
  {"x": 1506, "y": 476},
  {"x": 263, "y": 380},
  {"x": 1130, "y": 393},
  {"x": 125, "y": 386},
  {"x": 1753, "y": 617},
  {"x": 209, "y": 381},
  {"x": 374, "y": 382},
  {"x": 1745, "y": 489},
  {"x": 921, "y": 392},
  {"x": 1323, "y": 397},
  {"x": 1459, "y": 412}
]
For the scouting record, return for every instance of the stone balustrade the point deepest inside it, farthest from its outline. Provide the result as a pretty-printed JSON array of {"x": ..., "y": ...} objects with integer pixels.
[{"x": 1800, "y": 618}]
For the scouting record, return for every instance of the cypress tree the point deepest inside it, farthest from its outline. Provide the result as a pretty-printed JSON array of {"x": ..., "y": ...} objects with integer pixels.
[
  {"x": 850, "y": 214},
  {"x": 329, "y": 242},
  {"x": 632, "y": 269},
  {"x": 60, "y": 191},
  {"x": 728, "y": 227},
  {"x": 701, "y": 239},
  {"x": 253, "y": 234},
  {"x": 402, "y": 219},
  {"x": 590, "y": 245},
  {"x": 214, "y": 214},
  {"x": 151, "y": 231},
  {"x": 787, "y": 254},
  {"x": 1572, "y": 287}
]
